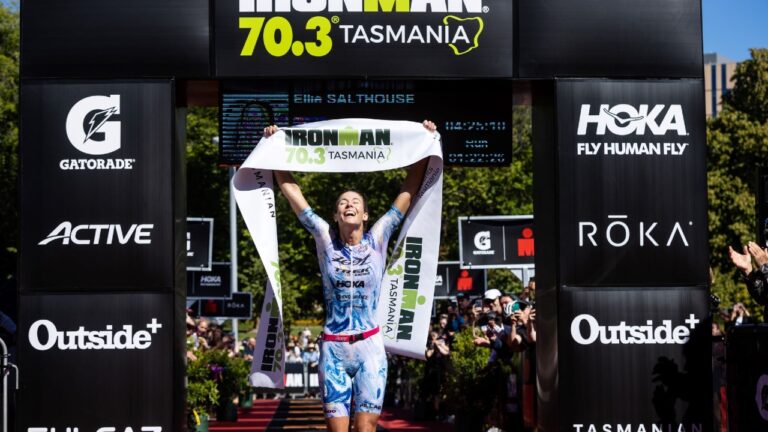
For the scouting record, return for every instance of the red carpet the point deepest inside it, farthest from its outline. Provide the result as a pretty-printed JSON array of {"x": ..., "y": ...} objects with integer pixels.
[{"x": 307, "y": 415}]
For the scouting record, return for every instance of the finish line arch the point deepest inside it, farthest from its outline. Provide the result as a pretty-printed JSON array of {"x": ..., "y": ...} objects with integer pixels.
[{"x": 619, "y": 182}]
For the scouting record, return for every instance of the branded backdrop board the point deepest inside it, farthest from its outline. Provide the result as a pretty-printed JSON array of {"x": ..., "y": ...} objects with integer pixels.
[
  {"x": 452, "y": 279},
  {"x": 472, "y": 133},
  {"x": 199, "y": 243},
  {"x": 496, "y": 241},
  {"x": 617, "y": 38},
  {"x": 114, "y": 39},
  {"x": 355, "y": 38},
  {"x": 295, "y": 378},
  {"x": 747, "y": 354},
  {"x": 239, "y": 306},
  {"x": 97, "y": 360},
  {"x": 213, "y": 284},
  {"x": 632, "y": 182},
  {"x": 313, "y": 373},
  {"x": 635, "y": 356},
  {"x": 97, "y": 189}
]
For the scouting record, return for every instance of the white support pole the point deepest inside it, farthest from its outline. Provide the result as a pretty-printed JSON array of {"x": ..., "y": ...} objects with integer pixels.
[{"x": 233, "y": 247}]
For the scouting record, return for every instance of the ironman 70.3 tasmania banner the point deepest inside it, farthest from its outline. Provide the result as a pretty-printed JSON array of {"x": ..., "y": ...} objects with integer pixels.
[{"x": 392, "y": 38}]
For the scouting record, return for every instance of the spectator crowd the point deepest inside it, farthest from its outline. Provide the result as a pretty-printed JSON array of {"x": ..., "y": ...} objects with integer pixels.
[{"x": 503, "y": 327}]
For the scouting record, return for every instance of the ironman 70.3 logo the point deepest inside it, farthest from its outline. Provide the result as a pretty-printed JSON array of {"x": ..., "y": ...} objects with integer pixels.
[
  {"x": 332, "y": 22},
  {"x": 93, "y": 127}
]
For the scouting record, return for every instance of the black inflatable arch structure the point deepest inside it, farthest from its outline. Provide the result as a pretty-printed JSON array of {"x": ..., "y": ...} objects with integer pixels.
[{"x": 619, "y": 183}]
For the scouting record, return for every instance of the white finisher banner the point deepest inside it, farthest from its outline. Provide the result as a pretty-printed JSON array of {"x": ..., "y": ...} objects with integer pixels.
[{"x": 348, "y": 145}]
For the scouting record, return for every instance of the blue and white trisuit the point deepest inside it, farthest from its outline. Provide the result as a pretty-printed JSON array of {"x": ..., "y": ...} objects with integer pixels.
[{"x": 351, "y": 284}]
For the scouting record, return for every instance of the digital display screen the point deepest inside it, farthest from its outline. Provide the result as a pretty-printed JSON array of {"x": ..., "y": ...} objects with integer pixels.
[{"x": 474, "y": 118}]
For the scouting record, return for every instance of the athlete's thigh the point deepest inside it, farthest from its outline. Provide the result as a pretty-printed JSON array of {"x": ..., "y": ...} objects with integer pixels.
[
  {"x": 371, "y": 379},
  {"x": 335, "y": 382}
]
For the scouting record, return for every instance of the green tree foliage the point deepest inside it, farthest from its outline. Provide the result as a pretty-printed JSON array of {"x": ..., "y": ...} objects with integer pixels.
[
  {"x": 750, "y": 94},
  {"x": 9, "y": 130},
  {"x": 737, "y": 147}
]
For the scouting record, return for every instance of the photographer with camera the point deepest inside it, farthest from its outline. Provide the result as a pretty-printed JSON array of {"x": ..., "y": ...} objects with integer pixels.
[
  {"x": 491, "y": 325},
  {"x": 522, "y": 338}
]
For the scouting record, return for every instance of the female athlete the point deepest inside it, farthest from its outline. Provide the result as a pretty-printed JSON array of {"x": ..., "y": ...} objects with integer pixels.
[{"x": 352, "y": 261}]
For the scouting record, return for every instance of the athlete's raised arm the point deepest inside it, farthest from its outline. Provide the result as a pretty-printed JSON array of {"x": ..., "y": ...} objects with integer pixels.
[
  {"x": 287, "y": 183},
  {"x": 413, "y": 180}
]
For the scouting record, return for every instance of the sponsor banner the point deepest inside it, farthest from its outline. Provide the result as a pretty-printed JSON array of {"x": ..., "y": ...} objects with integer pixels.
[
  {"x": 632, "y": 189},
  {"x": 314, "y": 378},
  {"x": 496, "y": 241},
  {"x": 624, "y": 38},
  {"x": 472, "y": 134},
  {"x": 98, "y": 361},
  {"x": 102, "y": 215},
  {"x": 426, "y": 38},
  {"x": 451, "y": 280},
  {"x": 85, "y": 38},
  {"x": 638, "y": 359},
  {"x": 199, "y": 244},
  {"x": 348, "y": 145},
  {"x": 239, "y": 306},
  {"x": 214, "y": 284},
  {"x": 747, "y": 353},
  {"x": 295, "y": 379}
]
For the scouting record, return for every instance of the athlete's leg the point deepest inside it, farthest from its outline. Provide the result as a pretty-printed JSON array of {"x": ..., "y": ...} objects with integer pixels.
[
  {"x": 338, "y": 424},
  {"x": 336, "y": 385},
  {"x": 366, "y": 422},
  {"x": 369, "y": 382}
]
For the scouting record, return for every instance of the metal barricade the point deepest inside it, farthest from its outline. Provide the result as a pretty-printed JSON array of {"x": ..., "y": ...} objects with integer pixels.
[{"x": 5, "y": 368}]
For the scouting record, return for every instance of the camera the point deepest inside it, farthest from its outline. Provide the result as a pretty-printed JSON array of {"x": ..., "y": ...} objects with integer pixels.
[{"x": 519, "y": 305}]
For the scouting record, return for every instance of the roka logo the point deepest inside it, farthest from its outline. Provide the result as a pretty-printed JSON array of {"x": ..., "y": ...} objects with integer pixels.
[
  {"x": 90, "y": 127},
  {"x": 623, "y": 334},
  {"x": 623, "y": 119},
  {"x": 99, "y": 234},
  {"x": 619, "y": 233},
  {"x": 82, "y": 339},
  {"x": 483, "y": 240}
]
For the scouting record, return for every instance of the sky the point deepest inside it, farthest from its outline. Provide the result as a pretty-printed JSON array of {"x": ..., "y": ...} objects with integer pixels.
[{"x": 731, "y": 27}]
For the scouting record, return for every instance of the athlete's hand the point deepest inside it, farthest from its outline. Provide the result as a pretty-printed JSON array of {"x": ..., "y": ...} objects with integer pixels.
[
  {"x": 270, "y": 130},
  {"x": 742, "y": 261},
  {"x": 760, "y": 255},
  {"x": 429, "y": 125}
]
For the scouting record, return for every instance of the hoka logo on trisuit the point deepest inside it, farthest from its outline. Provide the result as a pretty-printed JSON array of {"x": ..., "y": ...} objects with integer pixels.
[{"x": 348, "y": 136}]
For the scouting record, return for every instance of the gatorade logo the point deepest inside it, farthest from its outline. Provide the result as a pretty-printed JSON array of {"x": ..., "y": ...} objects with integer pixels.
[
  {"x": 483, "y": 244},
  {"x": 90, "y": 126}
]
